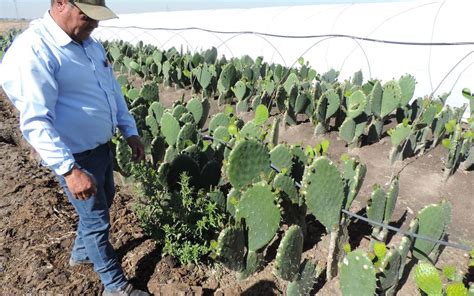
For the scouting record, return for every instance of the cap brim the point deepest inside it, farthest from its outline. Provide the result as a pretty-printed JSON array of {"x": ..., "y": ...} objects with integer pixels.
[{"x": 96, "y": 12}]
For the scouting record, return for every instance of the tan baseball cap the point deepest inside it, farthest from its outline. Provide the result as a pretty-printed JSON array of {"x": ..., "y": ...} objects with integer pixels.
[{"x": 95, "y": 9}]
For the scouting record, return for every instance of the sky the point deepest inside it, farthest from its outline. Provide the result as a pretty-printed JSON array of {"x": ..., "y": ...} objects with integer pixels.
[{"x": 30, "y": 9}]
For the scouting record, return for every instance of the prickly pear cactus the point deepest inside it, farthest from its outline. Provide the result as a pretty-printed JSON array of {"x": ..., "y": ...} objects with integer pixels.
[
  {"x": 247, "y": 161},
  {"x": 356, "y": 104},
  {"x": 390, "y": 272},
  {"x": 149, "y": 91},
  {"x": 407, "y": 86},
  {"x": 124, "y": 157},
  {"x": 427, "y": 279},
  {"x": 186, "y": 136},
  {"x": 286, "y": 184},
  {"x": 357, "y": 275},
  {"x": 275, "y": 131},
  {"x": 195, "y": 107},
  {"x": 262, "y": 216},
  {"x": 288, "y": 258},
  {"x": 281, "y": 157},
  {"x": 391, "y": 97},
  {"x": 231, "y": 248},
  {"x": 432, "y": 222},
  {"x": 323, "y": 190},
  {"x": 305, "y": 282},
  {"x": 253, "y": 261},
  {"x": 354, "y": 175},
  {"x": 169, "y": 128},
  {"x": 219, "y": 119}
]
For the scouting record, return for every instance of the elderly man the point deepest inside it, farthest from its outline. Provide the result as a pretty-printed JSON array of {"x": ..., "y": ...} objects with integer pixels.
[{"x": 70, "y": 105}]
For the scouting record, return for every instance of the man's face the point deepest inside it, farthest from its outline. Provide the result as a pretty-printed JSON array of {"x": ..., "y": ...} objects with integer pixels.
[{"x": 78, "y": 25}]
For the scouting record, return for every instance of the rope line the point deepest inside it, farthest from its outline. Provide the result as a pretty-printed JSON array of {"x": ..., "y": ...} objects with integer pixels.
[
  {"x": 298, "y": 36},
  {"x": 362, "y": 218}
]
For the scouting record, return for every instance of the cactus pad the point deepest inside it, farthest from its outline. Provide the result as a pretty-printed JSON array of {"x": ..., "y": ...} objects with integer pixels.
[
  {"x": 356, "y": 104},
  {"x": 169, "y": 128},
  {"x": 231, "y": 248},
  {"x": 323, "y": 190},
  {"x": 288, "y": 258},
  {"x": 247, "y": 161},
  {"x": 262, "y": 216},
  {"x": 195, "y": 107},
  {"x": 305, "y": 282},
  {"x": 357, "y": 275},
  {"x": 286, "y": 184},
  {"x": 391, "y": 97},
  {"x": 281, "y": 157},
  {"x": 427, "y": 279},
  {"x": 407, "y": 86}
]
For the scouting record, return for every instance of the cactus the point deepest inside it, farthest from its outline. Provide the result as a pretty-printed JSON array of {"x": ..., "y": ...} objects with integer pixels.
[
  {"x": 286, "y": 184},
  {"x": 156, "y": 110},
  {"x": 391, "y": 98},
  {"x": 219, "y": 119},
  {"x": 210, "y": 174},
  {"x": 227, "y": 78},
  {"x": 182, "y": 163},
  {"x": 233, "y": 198},
  {"x": 354, "y": 175},
  {"x": 275, "y": 131},
  {"x": 253, "y": 261},
  {"x": 195, "y": 107},
  {"x": 323, "y": 190},
  {"x": 407, "y": 87},
  {"x": 390, "y": 272},
  {"x": 204, "y": 74},
  {"x": 432, "y": 222},
  {"x": 158, "y": 148},
  {"x": 466, "y": 92},
  {"x": 305, "y": 282},
  {"x": 123, "y": 156},
  {"x": 186, "y": 136},
  {"x": 262, "y": 216},
  {"x": 251, "y": 131},
  {"x": 356, "y": 104},
  {"x": 231, "y": 248},
  {"x": 327, "y": 106},
  {"x": 351, "y": 130},
  {"x": 239, "y": 90},
  {"x": 281, "y": 157},
  {"x": 427, "y": 279},
  {"x": 169, "y": 128},
  {"x": 357, "y": 275},
  {"x": 149, "y": 92},
  {"x": 399, "y": 136},
  {"x": 288, "y": 258},
  {"x": 178, "y": 111}
]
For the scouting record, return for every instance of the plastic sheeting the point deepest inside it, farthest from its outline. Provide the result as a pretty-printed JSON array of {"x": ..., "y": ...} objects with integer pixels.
[{"x": 432, "y": 40}]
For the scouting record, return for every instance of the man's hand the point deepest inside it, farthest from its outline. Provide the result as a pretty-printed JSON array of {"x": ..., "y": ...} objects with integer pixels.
[
  {"x": 80, "y": 184},
  {"x": 138, "y": 151}
]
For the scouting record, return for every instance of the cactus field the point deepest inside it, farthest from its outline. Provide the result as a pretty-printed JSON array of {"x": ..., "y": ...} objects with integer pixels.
[{"x": 250, "y": 172}]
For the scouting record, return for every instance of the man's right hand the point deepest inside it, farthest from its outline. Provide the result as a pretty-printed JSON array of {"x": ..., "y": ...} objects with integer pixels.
[{"x": 80, "y": 184}]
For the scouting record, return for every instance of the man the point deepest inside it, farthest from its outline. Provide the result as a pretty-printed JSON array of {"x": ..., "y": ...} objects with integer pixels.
[{"x": 70, "y": 105}]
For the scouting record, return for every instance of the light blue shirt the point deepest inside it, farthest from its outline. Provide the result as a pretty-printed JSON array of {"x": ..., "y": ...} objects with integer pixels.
[{"x": 68, "y": 98}]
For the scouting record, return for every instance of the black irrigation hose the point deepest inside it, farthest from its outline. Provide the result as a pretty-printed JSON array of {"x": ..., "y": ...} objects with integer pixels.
[
  {"x": 395, "y": 229},
  {"x": 300, "y": 36}
]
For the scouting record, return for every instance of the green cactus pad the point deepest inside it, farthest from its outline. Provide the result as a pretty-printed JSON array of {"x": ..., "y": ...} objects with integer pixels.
[
  {"x": 305, "y": 282},
  {"x": 357, "y": 275},
  {"x": 407, "y": 86},
  {"x": 124, "y": 157},
  {"x": 247, "y": 161},
  {"x": 149, "y": 91},
  {"x": 195, "y": 107},
  {"x": 156, "y": 110},
  {"x": 210, "y": 174},
  {"x": 233, "y": 198},
  {"x": 432, "y": 222},
  {"x": 399, "y": 134},
  {"x": 281, "y": 157},
  {"x": 169, "y": 128},
  {"x": 203, "y": 75},
  {"x": 328, "y": 105},
  {"x": 187, "y": 136},
  {"x": 275, "y": 131},
  {"x": 253, "y": 262},
  {"x": 221, "y": 133},
  {"x": 354, "y": 183},
  {"x": 178, "y": 111},
  {"x": 227, "y": 78},
  {"x": 376, "y": 204},
  {"x": 286, "y": 184},
  {"x": 456, "y": 289},
  {"x": 347, "y": 130},
  {"x": 153, "y": 125},
  {"x": 251, "y": 131},
  {"x": 262, "y": 216},
  {"x": 288, "y": 258},
  {"x": 375, "y": 99},
  {"x": 281, "y": 98},
  {"x": 220, "y": 119},
  {"x": 390, "y": 270},
  {"x": 356, "y": 104},
  {"x": 301, "y": 103},
  {"x": 239, "y": 90},
  {"x": 231, "y": 248},
  {"x": 391, "y": 97},
  {"x": 323, "y": 190},
  {"x": 392, "y": 196},
  {"x": 427, "y": 279}
]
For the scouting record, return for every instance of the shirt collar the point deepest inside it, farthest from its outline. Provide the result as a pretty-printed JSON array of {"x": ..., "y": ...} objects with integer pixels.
[{"x": 61, "y": 38}]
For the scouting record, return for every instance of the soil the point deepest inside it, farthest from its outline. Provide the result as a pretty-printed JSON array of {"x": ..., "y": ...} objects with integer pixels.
[{"x": 37, "y": 223}]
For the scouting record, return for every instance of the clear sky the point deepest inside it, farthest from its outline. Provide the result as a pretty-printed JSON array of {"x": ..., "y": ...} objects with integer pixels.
[{"x": 35, "y": 8}]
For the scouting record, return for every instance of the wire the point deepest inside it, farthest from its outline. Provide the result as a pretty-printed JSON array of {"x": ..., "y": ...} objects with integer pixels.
[
  {"x": 459, "y": 43},
  {"x": 395, "y": 229}
]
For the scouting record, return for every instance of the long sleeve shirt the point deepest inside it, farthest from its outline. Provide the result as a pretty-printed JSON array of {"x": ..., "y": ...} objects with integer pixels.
[{"x": 68, "y": 98}]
